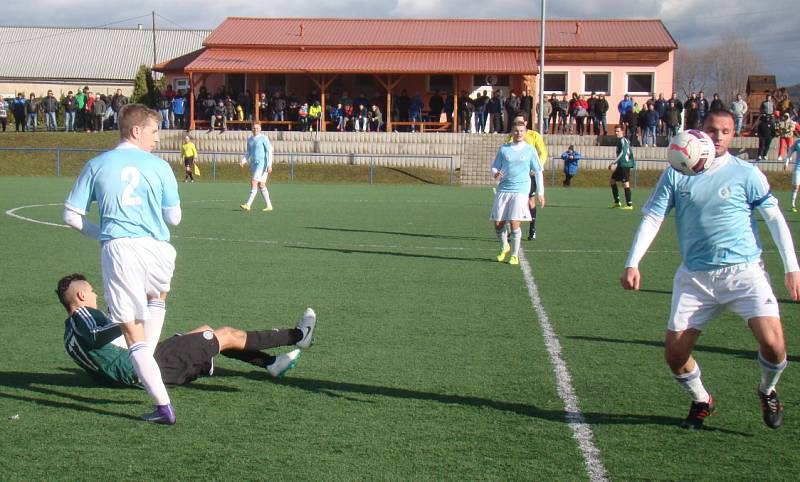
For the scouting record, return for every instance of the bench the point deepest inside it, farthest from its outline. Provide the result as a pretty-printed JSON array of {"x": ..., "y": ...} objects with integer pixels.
[{"x": 426, "y": 126}]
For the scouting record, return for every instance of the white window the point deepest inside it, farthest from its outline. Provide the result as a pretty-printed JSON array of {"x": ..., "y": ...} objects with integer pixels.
[
  {"x": 640, "y": 83},
  {"x": 181, "y": 84},
  {"x": 597, "y": 82},
  {"x": 555, "y": 82}
]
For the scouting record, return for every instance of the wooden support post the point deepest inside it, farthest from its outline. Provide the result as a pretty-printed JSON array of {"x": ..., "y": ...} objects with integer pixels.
[
  {"x": 192, "y": 94},
  {"x": 455, "y": 103},
  {"x": 257, "y": 101}
]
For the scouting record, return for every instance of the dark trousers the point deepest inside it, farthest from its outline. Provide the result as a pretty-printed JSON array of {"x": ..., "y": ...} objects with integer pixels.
[
  {"x": 497, "y": 122},
  {"x": 763, "y": 146},
  {"x": 19, "y": 123},
  {"x": 3, "y": 122}
]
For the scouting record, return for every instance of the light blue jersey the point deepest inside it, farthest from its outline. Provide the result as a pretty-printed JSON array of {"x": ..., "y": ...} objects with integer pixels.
[
  {"x": 795, "y": 150},
  {"x": 131, "y": 187},
  {"x": 258, "y": 148},
  {"x": 714, "y": 212},
  {"x": 516, "y": 164}
]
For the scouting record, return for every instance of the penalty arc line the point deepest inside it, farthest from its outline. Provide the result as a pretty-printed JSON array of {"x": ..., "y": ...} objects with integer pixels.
[{"x": 581, "y": 431}]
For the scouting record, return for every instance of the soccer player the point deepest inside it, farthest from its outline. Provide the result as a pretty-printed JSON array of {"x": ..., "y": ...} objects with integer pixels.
[
  {"x": 795, "y": 150},
  {"x": 513, "y": 166},
  {"x": 96, "y": 344},
  {"x": 622, "y": 173},
  {"x": 259, "y": 153},
  {"x": 537, "y": 142},
  {"x": 137, "y": 196},
  {"x": 722, "y": 267}
]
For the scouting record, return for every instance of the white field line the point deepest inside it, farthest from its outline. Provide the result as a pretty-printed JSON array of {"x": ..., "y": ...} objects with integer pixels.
[{"x": 581, "y": 431}]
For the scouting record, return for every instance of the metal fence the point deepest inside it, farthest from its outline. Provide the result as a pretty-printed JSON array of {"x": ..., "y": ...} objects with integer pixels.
[{"x": 291, "y": 159}]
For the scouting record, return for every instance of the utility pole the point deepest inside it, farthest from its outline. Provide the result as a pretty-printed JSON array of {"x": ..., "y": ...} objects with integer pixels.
[
  {"x": 154, "y": 42},
  {"x": 541, "y": 72}
]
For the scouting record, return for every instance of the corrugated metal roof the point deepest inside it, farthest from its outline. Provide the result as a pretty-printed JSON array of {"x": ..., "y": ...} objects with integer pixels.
[
  {"x": 364, "y": 61},
  {"x": 89, "y": 53},
  {"x": 442, "y": 33}
]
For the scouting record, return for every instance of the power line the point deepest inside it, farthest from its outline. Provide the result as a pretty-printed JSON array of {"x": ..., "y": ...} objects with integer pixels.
[{"x": 183, "y": 27}]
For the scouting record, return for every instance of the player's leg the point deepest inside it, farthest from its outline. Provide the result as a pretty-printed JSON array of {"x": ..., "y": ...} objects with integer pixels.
[
  {"x": 614, "y": 191},
  {"x": 516, "y": 237},
  {"x": 772, "y": 359},
  {"x": 628, "y": 195},
  {"x": 253, "y": 187},
  {"x": 502, "y": 235},
  {"x": 795, "y": 187},
  {"x": 532, "y": 210},
  {"x": 262, "y": 186},
  {"x": 692, "y": 307}
]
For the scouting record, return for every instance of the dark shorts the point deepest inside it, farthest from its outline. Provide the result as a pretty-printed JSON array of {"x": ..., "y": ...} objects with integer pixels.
[
  {"x": 188, "y": 161},
  {"x": 621, "y": 174},
  {"x": 183, "y": 358}
]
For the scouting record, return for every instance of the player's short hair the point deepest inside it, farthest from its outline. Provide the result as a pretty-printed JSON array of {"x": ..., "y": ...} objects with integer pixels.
[
  {"x": 519, "y": 123},
  {"x": 721, "y": 113},
  {"x": 63, "y": 286},
  {"x": 133, "y": 115},
  {"x": 523, "y": 115}
]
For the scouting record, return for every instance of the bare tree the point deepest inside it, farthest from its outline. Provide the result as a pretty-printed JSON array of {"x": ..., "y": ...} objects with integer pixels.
[{"x": 722, "y": 68}]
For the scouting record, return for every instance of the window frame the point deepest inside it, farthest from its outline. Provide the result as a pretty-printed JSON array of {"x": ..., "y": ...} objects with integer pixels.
[
  {"x": 636, "y": 92},
  {"x": 607, "y": 73},
  {"x": 566, "y": 82}
]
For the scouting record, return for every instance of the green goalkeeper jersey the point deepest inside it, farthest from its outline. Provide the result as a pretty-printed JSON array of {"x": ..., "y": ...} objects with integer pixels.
[
  {"x": 88, "y": 336},
  {"x": 625, "y": 154}
]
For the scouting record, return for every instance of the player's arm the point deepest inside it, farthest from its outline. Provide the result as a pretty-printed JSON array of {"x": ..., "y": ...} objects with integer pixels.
[
  {"x": 269, "y": 155},
  {"x": 538, "y": 173},
  {"x": 81, "y": 223},
  {"x": 170, "y": 200},
  {"x": 782, "y": 237},
  {"x": 641, "y": 243},
  {"x": 94, "y": 327},
  {"x": 497, "y": 173}
]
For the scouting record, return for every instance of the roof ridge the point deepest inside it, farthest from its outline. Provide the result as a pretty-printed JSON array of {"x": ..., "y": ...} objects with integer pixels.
[
  {"x": 79, "y": 27},
  {"x": 448, "y": 20}
]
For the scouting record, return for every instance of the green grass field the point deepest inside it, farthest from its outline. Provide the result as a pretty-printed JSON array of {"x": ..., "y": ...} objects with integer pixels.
[{"x": 429, "y": 361}]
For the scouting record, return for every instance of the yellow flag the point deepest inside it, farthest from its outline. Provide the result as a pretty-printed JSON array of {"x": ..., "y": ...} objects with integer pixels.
[{"x": 196, "y": 170}]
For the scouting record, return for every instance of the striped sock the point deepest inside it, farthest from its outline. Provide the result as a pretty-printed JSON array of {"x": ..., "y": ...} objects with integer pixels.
[
  {"x": 154, "y": 324},
  {"x": 693, "y": 385},
  {"x": 146, "y": 368},
  {"x": 770, "y": 374}
]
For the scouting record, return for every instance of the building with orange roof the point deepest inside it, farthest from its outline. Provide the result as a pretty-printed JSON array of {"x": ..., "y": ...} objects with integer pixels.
[{"x": 382, "y": 57}]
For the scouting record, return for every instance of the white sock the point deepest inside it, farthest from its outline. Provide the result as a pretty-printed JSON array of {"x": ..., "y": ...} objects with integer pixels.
[
  {"x": 146, "y": 368},
  {"x": 516, "y": 235},
  {"x": 794, "y": 197},
  {"x": 252, "y": 196},
  {"x": 502, "y": 236},
  {"x": 693, "y": 385},
  {"x": 265, "y": 194},
  {"x": 153, "y": 325},
  {"x": 770, "y": 374}
]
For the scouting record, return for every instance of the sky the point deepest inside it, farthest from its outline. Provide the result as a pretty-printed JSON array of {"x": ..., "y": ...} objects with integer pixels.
[{"x": 772, "y": 35}]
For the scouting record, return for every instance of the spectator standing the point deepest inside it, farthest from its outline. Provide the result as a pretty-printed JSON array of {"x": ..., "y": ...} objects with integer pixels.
[
  {"x": 580, "y": 110},
  {"x": 570, "y": 158},
  {"x": 98, "y": 111},
  {"x": 435, "y": 106},
  {"x": 678, "y": 107},
  {"x": 739, "y": 109},
  {"x": 673, "y": 119},
  {"x": 70, "y": 106},
  {"x": 3, "y": 113},
  {"x": 512, "y": 106},
  {"x": 495, "y": 109},
  {"x": 50, "y": 108},
  {"x": 600, "y": 115},
  {"x": 315, "y": 115},
  {"x": 661, "y": 107},
  {"x": 716, "y": 103},
  {"x": 785, "y": 129},
  {"x": 163, "y": 103},
  {"x": 547, "y": 112},
  {"x": 88, "y": 116},
  {"x": 118, "y": 101},
  {"x": 765, "y": 130},
  {"x": 480, "y": 112},
  {"x": 338, "y": 117},
  {"x": 302, "y": 116},
  {"x": 80, "y": 112},
  {"x": 651, "y": 119},
  {"x": 526, "y": 105},
  {"x": 702, "y": 108},
  {"x": 33, "y": 112},
  {"x": 20, "y": 109},
  {"x": 278, "y": 107},
  {"x": 178, "y": 109},
  {"x": 449, "y": 105},
  {"x": 465, "y": 110},
  {"x": 624, "y": 107},
  {"x": 414, "y": 111},
  {"x": 691, "y": 112},
  {"x": 590, "y": 102}
]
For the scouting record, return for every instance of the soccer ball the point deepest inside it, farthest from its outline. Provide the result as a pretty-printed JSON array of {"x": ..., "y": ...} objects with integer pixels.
[{"x": 691, "y": 152}]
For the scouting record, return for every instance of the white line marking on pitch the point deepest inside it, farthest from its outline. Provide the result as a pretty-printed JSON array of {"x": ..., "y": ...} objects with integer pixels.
[
  {"x": 581, "y": 430},
  {"x": 12, "y": 212}
]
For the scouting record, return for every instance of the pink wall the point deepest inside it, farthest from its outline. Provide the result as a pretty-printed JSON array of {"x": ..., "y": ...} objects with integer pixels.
[{"x": 662, "y": 82}]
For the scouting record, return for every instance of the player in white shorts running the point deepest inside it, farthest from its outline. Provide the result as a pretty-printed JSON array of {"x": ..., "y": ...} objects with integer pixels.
[
  {"x": 721, "y": 251},
  {"x": 137, "y": 195},
  {"x": 259, "y": 153},
  {"x": 513, "y": 166}
]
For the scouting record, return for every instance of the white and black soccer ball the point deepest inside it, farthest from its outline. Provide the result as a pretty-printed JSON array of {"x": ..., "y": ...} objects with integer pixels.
[{"x": 691, "y": 152}]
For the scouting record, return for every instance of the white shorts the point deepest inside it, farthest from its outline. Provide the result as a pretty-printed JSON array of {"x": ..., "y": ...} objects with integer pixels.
[
  {"x": 698, "y": 296},
  {"x": 133, "y": 269},
  {"x": 510, "y": 206},
  {"x": 261, "y": 176}
]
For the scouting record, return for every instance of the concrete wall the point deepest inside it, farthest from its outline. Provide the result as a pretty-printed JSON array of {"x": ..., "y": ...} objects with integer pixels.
[{"x": 40, "y": 88}]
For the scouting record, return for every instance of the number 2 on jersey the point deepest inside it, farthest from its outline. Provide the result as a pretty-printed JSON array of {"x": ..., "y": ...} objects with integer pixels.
[{"x": 132, "y": 176}]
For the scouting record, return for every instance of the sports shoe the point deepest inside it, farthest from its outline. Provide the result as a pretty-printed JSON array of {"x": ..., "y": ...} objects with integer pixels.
[
  {"x": 629, "y": 207},
  {"x": 616, "y": 205},
  {"x": 698, "y": 412},
  {"x": 771, "y": 409},
  {"x": 513, "y": 260},
  {"x": 267, "y": 209},
  {"x": 163, "y": 414},
  {"x": 306, "y": 327},
  {"x": 531, "y": 234},
  {"x": 504, "y": 252},
  {"x": 794, "y": 209},
  {"x": 245, "y": 207},
  {"x": 283, "y": 363}
]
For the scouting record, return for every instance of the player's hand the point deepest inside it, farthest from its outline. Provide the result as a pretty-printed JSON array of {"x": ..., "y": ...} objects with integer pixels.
[
  {"x": 792, "y": 282},
  {"x": 609, "y": 166},
  {"x": 541, "y": 200},
  {"x": 269, "y": 170},
  {"x": 630, "y": 279},
  {"x": 784, "y": 167},
  {"x": 498, "y": 175},
  {"x": 243, "y": 161}
]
